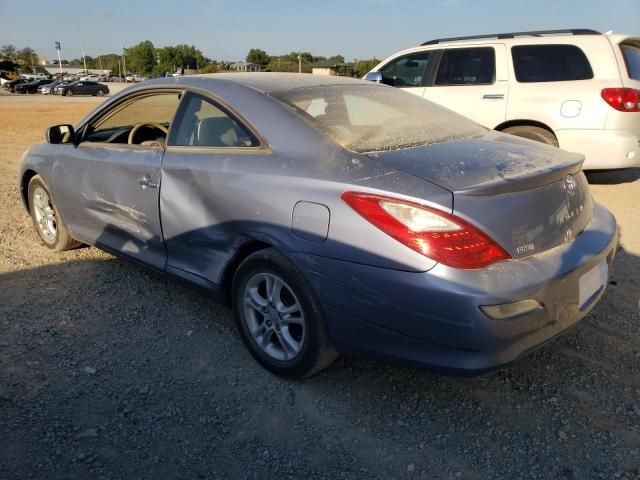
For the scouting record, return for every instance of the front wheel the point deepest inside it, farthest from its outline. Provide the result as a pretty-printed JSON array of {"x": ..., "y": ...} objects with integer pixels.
[
  {"x": 278, "y": 316},
  {"x": 100, "y": 93},
  {"x": 46, "y": 218},
  {"x": 69, "y": 93}
]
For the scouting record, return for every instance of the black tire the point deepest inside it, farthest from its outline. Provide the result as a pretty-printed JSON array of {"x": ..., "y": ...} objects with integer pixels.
[
  {"x": 69, "y": 93},
  {"x": 62, "y": 239},
  {"x": 316, "y": 351},
  {"x": 533, "y": 133},
  {"x": 100, "y": 93}
]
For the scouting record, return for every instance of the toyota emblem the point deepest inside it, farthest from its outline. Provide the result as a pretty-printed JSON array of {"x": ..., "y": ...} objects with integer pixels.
[{"x": 570, "y": 184}]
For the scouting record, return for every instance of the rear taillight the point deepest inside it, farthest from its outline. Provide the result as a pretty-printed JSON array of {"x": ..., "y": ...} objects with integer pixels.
[
  {"x": 622, "y": 99},
  {"x": 435, "y": 234}
]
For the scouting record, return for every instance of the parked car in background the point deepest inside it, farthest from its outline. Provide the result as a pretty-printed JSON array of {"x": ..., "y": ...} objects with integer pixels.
[
  {"x": 35, "y": 76},
  {"x": 50, "y": 88},
  {"x": 83, "y": 88},
  {"x": 30, "y": 87},
  {"x": 576, "y": 89},
  {"x": 11, "y": 85},
  {"x": 334, "y": 215},
  {"x": 115, "y": 78},
  {"x": 91, "y": 77}
]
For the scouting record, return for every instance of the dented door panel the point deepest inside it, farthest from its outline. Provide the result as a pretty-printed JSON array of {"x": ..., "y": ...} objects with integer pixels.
[{"x": 109, "y": 197}]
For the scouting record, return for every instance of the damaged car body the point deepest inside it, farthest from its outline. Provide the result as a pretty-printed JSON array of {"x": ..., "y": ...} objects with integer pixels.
[{"x": 333, "y": 215}]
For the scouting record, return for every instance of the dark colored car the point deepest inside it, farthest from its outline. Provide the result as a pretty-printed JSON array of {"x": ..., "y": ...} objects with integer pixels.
[
  {"x": 11, "y": 86},
  {"x": 83, "y": 87},
  {"x": 334, "y": 215},
  {"x": 31, "y": 87}
]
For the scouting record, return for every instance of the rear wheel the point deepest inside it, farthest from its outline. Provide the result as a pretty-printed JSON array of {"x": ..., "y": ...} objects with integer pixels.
[
  {"x": 46, "y": 218},
  {"x": 533, "y": 133},
  {"x": 278, "y": 316},
  {"x": 100, "y": 93}
]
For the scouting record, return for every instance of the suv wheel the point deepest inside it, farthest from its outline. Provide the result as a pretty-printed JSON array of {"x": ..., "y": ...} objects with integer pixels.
[
  {"x": 533, "y": 133},
  {"x": 278, "y": 316}
]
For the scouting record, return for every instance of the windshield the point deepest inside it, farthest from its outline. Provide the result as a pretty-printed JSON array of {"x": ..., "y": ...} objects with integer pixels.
[
  {"x": 631, "y": 52},
  {"x": 367, "y": 118}
]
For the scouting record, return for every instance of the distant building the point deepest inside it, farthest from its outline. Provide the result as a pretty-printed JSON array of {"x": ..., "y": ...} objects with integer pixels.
[
  {"x": 324, "y": 71},
  {"x": 54, "y": 68},
  {"x": 246, "y": 67}
]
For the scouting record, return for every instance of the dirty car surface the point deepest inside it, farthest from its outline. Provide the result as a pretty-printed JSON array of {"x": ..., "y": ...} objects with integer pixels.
[{"x": 333, "y": 215}]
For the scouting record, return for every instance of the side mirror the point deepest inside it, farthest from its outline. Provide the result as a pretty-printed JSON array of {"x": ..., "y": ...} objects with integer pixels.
[
  {"x": 374, "y": 77},
  {"x": 60, "y": 134}
]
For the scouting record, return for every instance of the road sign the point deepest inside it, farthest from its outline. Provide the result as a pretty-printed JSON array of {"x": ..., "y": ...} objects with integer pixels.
[{"x": 57, "y": 45}]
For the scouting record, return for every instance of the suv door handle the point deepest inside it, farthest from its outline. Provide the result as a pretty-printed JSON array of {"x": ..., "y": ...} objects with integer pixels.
[
  {"x": 148, "y": 182},
  {"x": 493, "y": 96}
]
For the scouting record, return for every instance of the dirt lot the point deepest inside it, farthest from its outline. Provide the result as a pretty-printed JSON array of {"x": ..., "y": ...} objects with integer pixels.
[{"x": 108, "y": 371}]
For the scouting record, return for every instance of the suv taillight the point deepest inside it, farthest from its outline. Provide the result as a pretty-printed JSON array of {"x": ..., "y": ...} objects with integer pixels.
[
  {"x": 622, "y": 99},
  {"x": 433, "y": 233}
]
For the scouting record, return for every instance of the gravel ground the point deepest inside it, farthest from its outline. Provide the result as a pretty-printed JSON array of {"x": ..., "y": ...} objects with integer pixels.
[{"x": 108, "y": 371}]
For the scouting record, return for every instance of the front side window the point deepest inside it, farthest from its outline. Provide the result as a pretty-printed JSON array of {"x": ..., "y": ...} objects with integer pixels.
[
  {"x": 408, "y": 71},
  {"x": 367, "y": 118},
  {"x": 631, "y": 52},
  {"x": 201, "y": 123},
  {"x": 467, "y": 66},
  {"x": 144, "y": 120},
  {"x": 550, "y": 63}
]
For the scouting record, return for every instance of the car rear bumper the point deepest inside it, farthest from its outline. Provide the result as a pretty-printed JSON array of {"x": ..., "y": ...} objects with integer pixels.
[
  {"x": 603, "y": 149},
  {"x": 432, "y": 319}
]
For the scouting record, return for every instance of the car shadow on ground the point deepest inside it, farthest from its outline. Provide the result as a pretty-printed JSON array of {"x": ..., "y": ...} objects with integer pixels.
[
  {"x": 613, "y": 177},
  {"x": 107, "y": 369}
]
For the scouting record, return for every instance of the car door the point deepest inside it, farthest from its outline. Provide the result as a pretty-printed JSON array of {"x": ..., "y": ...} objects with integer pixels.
[
  {"x": 410, "y": 72},
  {"x": 209, "y": 151},
  {"x": 473, "y": 81},
  {"x": 107, "y": 188}
]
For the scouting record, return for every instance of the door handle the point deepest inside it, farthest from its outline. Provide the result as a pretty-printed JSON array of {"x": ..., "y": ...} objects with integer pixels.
[
  {"x": 148, "y": 182},
  {"x": 493, "y": 96}
]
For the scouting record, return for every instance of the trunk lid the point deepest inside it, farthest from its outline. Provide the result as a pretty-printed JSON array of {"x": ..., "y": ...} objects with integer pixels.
[{"x": 527, "y": 196}]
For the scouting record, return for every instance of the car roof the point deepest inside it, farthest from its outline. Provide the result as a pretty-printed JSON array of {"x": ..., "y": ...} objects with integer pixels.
[{"x": 265, "y": 82}]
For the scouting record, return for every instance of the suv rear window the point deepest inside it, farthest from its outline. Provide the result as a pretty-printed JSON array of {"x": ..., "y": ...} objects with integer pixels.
[
  {"x": 550, "y": 63},
  {"x": 631, "y": 53}
]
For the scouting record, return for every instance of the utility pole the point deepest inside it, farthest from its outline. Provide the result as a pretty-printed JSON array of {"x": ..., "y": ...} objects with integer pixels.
[
  {"x": 299, "y": 63},
  {"x": 84, "y": 60},
  {"x": 100, "y": 60},
  {"x": 124, "y": 64}
]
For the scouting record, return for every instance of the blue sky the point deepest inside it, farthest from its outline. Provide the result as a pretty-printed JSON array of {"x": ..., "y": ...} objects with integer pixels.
[{"x": 227, "y": 29}]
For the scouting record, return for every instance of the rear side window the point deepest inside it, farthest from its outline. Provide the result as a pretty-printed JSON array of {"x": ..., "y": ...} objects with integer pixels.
[
  {"x": 550, "y": 63},
  {"x": 406, "y": 71},
  {"x": 631, "y": 53},
  {"x": 201, "y": 123},
  {"x": 467, "y": 66}
]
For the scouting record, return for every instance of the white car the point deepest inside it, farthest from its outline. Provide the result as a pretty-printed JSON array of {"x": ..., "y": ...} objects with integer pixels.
[
  {"x": 576, "y": 89},
  {"x": 90, "y": 78}
]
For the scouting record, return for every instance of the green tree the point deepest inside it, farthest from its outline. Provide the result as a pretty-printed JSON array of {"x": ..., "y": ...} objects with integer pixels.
[
  {"x": 141, "y": 58},
  {"x": 361, "y": 67},
  {"x": 27, "y": 57},
  {"x": 8, "y": 52},
  {"x": 259, "y": 57}
]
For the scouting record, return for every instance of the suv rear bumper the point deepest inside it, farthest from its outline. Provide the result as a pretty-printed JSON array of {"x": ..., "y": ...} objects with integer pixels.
[{"x": 603, "y": 149}]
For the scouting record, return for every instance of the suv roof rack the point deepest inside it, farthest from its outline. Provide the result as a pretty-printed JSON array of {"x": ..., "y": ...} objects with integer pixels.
[{"x": 535, "y": 33}]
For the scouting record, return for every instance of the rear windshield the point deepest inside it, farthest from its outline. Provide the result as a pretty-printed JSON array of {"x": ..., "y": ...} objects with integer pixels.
[
  {"x": 631, "y": 52},
  {"x": 367, "y": 118},
  {"x": 550, "y": 63}
]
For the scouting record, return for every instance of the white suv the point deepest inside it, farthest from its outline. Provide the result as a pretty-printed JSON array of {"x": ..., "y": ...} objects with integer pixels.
[{"x": 576, "y": 89}]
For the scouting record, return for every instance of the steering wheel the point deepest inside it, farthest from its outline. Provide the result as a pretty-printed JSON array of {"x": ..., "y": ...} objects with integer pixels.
[{"x": 138, "y": 126}]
